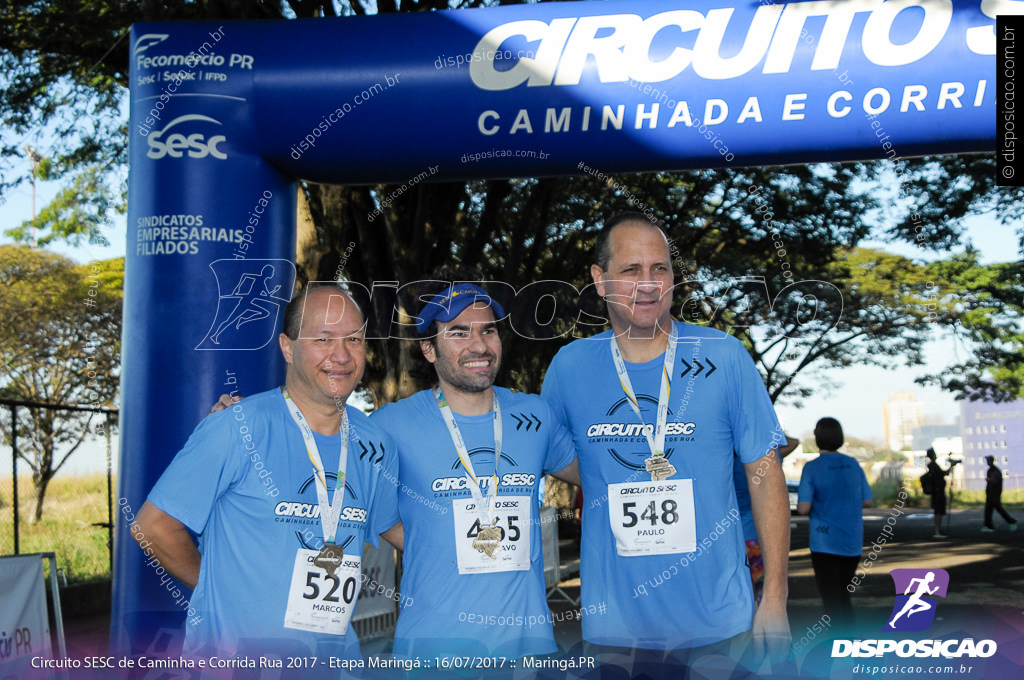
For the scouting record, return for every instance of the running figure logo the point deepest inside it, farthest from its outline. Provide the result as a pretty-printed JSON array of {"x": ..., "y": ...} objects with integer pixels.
[
  {"x": 915, "y": 608},
  {"x": 247, "y": 316}
]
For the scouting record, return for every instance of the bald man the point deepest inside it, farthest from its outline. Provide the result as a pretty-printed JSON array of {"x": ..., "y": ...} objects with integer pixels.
[{"x": 279, "y": 572}]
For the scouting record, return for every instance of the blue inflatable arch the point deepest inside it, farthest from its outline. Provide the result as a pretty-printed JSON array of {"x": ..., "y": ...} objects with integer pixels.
[{"x": 226, "y": 117}]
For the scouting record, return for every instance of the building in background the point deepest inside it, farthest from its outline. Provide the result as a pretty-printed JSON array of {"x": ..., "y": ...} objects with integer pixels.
[
  {"x": 900, "y": 415},
  {"x": 991, "y": 429},
  {"x": 925, "y": 436}
]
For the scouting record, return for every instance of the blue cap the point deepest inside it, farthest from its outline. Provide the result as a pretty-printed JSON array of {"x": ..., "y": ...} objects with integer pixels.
[{"x": 451, "y": 302}]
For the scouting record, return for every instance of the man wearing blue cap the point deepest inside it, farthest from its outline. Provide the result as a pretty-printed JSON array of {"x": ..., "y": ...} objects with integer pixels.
[{"x": 471, "y": 458}]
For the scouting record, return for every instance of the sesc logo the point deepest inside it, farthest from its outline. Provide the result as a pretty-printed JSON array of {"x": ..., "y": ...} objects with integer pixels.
[{"x": 177, "y": 144}]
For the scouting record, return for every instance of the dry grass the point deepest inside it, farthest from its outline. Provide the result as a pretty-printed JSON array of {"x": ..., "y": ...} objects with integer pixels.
[{"x": 72, "y": 504}]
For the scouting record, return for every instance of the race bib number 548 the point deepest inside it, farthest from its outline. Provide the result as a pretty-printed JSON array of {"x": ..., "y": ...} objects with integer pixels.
[{"x": 652, "y": 518}]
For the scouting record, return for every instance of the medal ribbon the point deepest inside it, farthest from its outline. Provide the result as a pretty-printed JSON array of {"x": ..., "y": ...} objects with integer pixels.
[
  {"x": 483, "y": 505},
  {"x": 330, "y": 512},
  {"x": 656, "y": 442}
]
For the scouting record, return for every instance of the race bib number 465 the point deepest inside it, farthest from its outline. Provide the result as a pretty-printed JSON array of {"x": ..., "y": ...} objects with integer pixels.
[
  {"x": 652, "y": 518},
  {"x": 512, "y": 518}
]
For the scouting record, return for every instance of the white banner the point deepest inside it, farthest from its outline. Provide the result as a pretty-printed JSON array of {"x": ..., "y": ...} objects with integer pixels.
[{"x": 24, "y": 626}]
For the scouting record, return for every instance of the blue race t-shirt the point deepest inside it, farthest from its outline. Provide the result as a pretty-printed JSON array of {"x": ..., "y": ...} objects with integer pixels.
[
  {"x": 448, "y": 613},
  {"x": 244, "y": 483},
  {"x": 718, "y": 405},
  {"x": 835, "y": 485}
]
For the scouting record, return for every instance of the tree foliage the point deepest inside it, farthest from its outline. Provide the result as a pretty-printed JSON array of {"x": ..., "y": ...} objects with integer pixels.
[
  {"x": 66, "y": 69},
  {"x": 984, "y": 307},
  {"x": 60, "y": 345}
]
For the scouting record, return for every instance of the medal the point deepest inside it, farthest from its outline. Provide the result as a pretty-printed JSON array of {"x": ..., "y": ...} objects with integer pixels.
[
  {"x": 489, "y": 536},
  {"x": 329, "y": 558},
  {"x": 659, "y": 468},
  {"x": 487, "y": 540},
  {"x": 657, "y": 465}
]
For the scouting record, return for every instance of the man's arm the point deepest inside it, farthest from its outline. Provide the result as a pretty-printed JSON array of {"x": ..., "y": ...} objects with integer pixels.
[
  {"x": 395, "y": 536},
  {"x": 170, "y": 541},
  {"x": 769, "y": 501},
  {"x": 788, "y": 447},
  {"x": 804, "y": 507},
  {"x": 570, "y": 473}
]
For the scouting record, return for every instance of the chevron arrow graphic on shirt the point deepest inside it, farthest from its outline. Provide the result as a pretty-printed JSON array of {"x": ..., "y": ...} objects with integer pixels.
[
  {"x": 528, "y": 419},
  {"x": 699, "y": 368},
  {"x": 375, "y": 457}
]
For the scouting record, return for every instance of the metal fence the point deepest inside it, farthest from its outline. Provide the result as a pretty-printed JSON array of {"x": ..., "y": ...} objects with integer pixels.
[{"x": 77, "y": 514}]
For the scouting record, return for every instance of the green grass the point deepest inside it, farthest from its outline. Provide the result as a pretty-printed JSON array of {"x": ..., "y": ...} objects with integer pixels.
[
  {"x": 1013, "y": 499},
  {"x": 885, "y": 493},
  {"x": 71, "y": 506}
]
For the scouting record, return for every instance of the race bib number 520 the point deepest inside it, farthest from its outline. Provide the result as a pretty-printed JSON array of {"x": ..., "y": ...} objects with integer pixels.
[
  {"x": 320, "y": 602},
  {"x": 652, "y": 518}
]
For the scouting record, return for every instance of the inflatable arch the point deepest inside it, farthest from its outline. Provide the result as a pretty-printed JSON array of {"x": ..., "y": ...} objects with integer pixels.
[{"x": 227, "y": 116}]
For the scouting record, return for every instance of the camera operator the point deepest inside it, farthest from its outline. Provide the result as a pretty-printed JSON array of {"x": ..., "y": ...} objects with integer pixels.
[{"x": 938, "y": 477}]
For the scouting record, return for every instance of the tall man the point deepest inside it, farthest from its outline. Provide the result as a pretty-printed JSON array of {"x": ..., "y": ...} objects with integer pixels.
[
  {"x": 833, "y": 491},
  {"x": 280, "y": 573},
  {"x": 656, "y": 409},
  {"x": 471, "y": 458}
]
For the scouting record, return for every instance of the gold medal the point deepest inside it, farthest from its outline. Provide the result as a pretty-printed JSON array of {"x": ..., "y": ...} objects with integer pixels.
[
  {"x": 659, "y": 468},
  {"x": 487, "y": 540},
  {"x": 329, "y": 558}
]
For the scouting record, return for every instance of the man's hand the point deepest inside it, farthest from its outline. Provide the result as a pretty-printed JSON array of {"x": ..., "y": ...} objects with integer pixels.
[
  {"x": 769, "y": 501},
  {"x": 225, "y": 401},
  {"x": 771, "y": 631}
]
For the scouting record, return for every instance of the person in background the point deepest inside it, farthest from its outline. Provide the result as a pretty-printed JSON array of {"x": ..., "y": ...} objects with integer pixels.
[
  {"x": 938, "y": 492},
  {"x": 833, "y": 491},
  {"x": 993, "y": 496}
]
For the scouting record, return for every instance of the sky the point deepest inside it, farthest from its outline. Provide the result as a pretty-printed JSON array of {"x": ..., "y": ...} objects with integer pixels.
[{"x": 856, "y": 403}]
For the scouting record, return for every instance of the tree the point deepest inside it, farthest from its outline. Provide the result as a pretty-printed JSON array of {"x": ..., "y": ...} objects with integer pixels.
[
  {"x": 78, "y": 212},
  {"x": 985, "y": 308},
  {"x": 60, "y": 345},
  {"x": 871, "y": 308},
  {"x": 526, "y": 230}
]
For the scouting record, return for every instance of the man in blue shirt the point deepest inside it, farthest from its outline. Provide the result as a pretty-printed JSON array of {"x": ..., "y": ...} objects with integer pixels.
[
  {"x": 471, "y": 459},
  {"x": 833, "y": 489},
  {"x": 278, "y": 573},
  {"x": 655, "y": 436}
]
